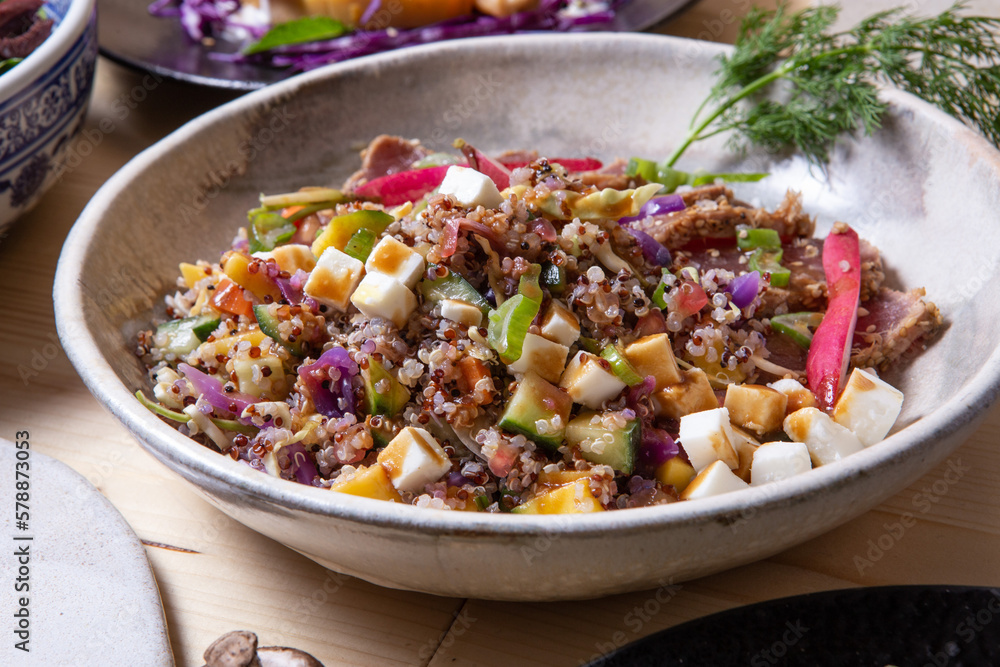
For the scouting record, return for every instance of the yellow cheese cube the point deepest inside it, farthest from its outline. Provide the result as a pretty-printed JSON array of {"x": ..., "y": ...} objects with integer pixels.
[
  {"x": 654, "y": 355},
  {"x": 755, "y": 407},
  {"x": 693, "y": 394}
]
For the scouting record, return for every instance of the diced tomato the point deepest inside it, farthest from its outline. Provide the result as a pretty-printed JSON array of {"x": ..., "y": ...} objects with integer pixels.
[
  {"x": 691, "y": 299},
  {"x": 228, "y": 297}
]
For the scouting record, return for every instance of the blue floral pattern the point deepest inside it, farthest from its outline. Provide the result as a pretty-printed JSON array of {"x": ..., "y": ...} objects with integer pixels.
[{"x": 38, "y": 123}]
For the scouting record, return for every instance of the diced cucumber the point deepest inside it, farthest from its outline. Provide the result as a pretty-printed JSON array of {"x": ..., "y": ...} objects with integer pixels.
[
  {"x": 602, "y": 441},
  {"x": 621, "y": 366},
  {"x": 385, "y": 394},
  {"x": 269, "y": 326},
  {"x": 453, "y": 286},
  {"x": 361, "y": 244},
  {"x": 183, "y": 336},
  {"x": 538, "y": 410}
]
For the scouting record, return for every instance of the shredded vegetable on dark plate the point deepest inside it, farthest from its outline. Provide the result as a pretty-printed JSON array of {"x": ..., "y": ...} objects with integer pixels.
[{"x": 133, "y": 36}]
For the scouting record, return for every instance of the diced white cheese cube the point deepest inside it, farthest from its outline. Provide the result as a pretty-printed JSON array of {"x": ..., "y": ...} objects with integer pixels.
[
  {"x": 589, "y": 382},
  {"x": 396, "y": 259},
  {"x": 560, "y": 325},
  {"x": 775, "y": 461},
  {"x": 462, "y": 312},
  {"x": 714, "y": 480},
  {"x": 543, "y": 356},
  {"x": 380, "y": 295},
  {"x": 707, "y": 436},
  {"x": 334, "y": 279},
  {"x": 470, "y": 188},
  {"x": 414, "y": 459},
  {"x": 868, "y": 406},
  {"x": 827, "y": 440}
]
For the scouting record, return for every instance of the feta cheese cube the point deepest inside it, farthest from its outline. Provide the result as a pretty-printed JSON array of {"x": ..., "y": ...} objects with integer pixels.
[
  {"x": 334, "y": 279},
  {"x": 706, "y": 437},
  {"x": 380, "y": 295},
  {"x": 461, "y": 312},
  {"x": 541, "y": 355},
  {"x": 470, "y": 188},
  {"x": 755, "y": 407},
  {"x": 868, "y": 406},
  {"x": 589, "y": 381},
  {"x": 798, "y": 396},
  {"x": 693, "y": 393},
  {"x": 775, "y": 461},
  {"x": 396, "y": 259},
  {"x": 654, "y": 355},
  {"x": 827, "y": 440},
  {"x": 414, "y": 459},
  {"x": 560, "y": 325},
  {"x": 714, "y": 480}
]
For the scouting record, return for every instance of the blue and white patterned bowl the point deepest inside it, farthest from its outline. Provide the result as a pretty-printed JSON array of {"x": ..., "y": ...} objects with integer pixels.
[{"x": 42, "y": 104}]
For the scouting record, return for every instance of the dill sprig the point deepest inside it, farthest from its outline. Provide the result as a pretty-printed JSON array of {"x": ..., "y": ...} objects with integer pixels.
[{"x": 830, "y": 81}]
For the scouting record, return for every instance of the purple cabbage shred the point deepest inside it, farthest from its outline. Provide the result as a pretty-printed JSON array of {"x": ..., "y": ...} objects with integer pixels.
[{"x": 211, "y": 18}]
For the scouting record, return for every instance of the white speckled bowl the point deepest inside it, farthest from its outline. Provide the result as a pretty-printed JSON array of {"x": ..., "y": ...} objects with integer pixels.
[
  {"x": 920, "y": 190},
  {"x": 43, "y": 100}
]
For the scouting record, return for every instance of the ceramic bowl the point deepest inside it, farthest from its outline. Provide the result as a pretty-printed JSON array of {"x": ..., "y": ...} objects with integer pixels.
[
  {"x": 43, "y": 100},
  {"x": 920, "y": 189}
]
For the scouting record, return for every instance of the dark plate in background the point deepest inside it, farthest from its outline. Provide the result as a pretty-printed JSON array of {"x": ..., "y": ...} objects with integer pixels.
[
  {"x": 131, "y": 36},
  {"x": 904, "y": 626}
]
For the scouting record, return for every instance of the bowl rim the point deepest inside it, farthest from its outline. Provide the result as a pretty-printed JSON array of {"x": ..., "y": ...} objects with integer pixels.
[
  {"x": 41, "y": 60},
  {"x": 167, "y": 444}
]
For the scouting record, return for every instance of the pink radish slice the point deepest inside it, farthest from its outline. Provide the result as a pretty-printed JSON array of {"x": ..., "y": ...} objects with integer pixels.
[{"x": 830, "y": 351}]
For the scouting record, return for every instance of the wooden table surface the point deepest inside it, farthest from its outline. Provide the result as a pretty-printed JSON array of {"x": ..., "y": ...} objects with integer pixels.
[{"x": 238, "y": 579}]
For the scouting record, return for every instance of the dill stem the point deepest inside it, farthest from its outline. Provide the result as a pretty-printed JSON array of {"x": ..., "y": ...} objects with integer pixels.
[{"x": 695, "y": 133}]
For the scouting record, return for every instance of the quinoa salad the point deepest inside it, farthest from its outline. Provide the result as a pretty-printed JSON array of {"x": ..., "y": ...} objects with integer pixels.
[{"x": 525, "y": 334}]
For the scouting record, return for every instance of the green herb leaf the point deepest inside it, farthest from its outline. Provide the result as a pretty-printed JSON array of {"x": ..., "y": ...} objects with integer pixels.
[
  {"x": 299, "y": 31},
  {"x": 830, "y": 80}
]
